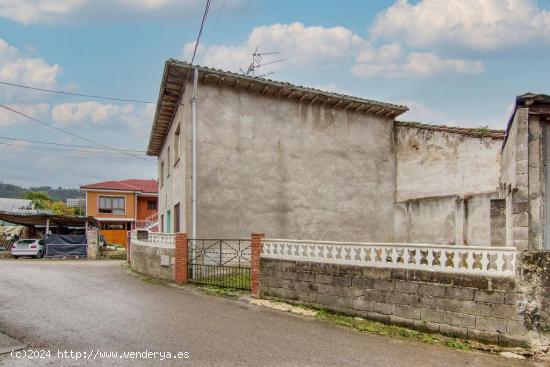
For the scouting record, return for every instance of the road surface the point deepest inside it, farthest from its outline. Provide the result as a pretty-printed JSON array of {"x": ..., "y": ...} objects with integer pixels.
[{"x": 95, "y": 307}]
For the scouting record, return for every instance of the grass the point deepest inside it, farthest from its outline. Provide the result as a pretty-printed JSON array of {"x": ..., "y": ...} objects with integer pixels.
[
  {"x": 373, "y": 327},
  {"x": 215, "y": 290},
  {"x": 237, "y": 279}
]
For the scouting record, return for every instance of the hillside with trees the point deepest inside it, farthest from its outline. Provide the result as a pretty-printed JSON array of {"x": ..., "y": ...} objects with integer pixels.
[{"x": 56, "y": 194}]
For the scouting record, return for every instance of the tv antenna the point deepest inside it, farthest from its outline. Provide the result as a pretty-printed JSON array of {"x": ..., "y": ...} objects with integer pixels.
[{"x": 258, "y": 62}]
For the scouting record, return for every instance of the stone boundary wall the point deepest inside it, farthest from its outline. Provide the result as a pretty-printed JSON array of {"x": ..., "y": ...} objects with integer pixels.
[
  {"x": 146, "y": 260},
  {"x": 465, "y": 306}
]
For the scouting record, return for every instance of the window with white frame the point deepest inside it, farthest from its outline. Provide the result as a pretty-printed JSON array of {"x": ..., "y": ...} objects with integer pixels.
[{"x": 112, "y": 204}]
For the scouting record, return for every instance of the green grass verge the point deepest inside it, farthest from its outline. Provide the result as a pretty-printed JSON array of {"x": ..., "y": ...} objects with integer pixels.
[{"x": 373, "y": 327}]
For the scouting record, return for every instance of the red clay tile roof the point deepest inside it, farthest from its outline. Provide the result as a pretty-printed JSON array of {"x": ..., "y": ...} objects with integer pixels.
[{"x": 146, "y": 186}]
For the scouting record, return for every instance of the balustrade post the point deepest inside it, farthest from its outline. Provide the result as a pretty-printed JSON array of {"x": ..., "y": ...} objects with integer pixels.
[
  {"x": 256, "y": 251},
  {"x": 181, "y": 258}
]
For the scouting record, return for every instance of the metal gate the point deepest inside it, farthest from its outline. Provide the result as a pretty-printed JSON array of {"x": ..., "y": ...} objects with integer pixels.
[{"x": 219, "y": 262}]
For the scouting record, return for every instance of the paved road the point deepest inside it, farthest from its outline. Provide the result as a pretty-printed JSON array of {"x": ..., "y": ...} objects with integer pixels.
[{"x": 84, "y": 305}]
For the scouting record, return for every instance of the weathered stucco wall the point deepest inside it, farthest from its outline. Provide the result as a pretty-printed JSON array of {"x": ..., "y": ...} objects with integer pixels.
[
  {"x": 288, "y": 169},
  {"x": 173, "y": 185},
  {"x": 514, "y": 181},
  {"x": 444, "y": 184},
  {"x": 146, "y": 260}
]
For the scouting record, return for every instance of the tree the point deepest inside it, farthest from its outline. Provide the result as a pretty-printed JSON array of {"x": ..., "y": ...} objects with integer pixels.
[
  {"x": 39, "y": 199},
  {"x": 59, "y": 208}
]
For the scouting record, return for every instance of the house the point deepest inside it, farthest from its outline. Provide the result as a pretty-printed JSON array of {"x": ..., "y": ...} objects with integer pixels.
[
  {"x": 17, "y": 205},
  {"x": 297, "y": 162},
  {"x": 120, "y": 206}
]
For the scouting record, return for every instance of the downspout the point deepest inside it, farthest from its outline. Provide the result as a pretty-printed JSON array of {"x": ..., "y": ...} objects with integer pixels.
[{"x": 194, "y": 163}]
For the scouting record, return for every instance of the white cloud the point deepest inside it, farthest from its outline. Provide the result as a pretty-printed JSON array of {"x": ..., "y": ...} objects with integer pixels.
[
  {"x": 15, "y": 67},
  {"x": 67, "y": 11},
  {"x": 321, "y": 47},
  {"x": 136, "y": 118},
  {"x": 480, "y": 24},
  {"x": 37, "y": 110},
  {"x": 300, "y": 45},
  {"x": 392, "y": 62},
  {"x": 422, "y": 113}
]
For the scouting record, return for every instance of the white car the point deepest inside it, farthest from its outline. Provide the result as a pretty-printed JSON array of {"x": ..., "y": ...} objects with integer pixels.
[{"x": 28, "y": 247}]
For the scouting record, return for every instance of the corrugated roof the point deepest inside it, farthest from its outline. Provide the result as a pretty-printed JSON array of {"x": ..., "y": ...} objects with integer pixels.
[
  {"x": 478, "y": 132},
  {"x": 145, "y": 186},
  {"x": 173, "y": 85}
]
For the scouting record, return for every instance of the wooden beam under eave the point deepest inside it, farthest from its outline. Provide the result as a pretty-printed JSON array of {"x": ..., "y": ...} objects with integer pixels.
[
  {"x": 250, "y": 85},
  {"x": 337, "y": 103},
  {"x": 220, "y": 82},
  {"x": 388, "y": 114},
  {"x": 379, "y": 111},
  {"x": 302, "y": 97},
  {"x": 264, "y": 90},
  {"x": 359, "y": 108},
  {"x": 369, "y": 109},
  {"x": 314, "y": 99},
  {"x": 289, "y": 96},
  {"x": 348, "y": 105}
]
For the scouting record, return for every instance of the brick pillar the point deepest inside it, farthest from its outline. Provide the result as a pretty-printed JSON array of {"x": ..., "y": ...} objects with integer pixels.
[
  {"x": 181, "y": 258},
  {"x": 256, "y": 250}
]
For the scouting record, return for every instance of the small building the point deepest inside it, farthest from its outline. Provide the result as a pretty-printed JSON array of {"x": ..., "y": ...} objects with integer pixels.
[
  {"x": 120, "y": 206},
  {"x": 17, "y": 205},
  {"x": 76, "y": 202}
]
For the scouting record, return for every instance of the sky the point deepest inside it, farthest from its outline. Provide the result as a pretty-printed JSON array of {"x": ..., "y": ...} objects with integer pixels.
[{"x": 452, "y": 62}]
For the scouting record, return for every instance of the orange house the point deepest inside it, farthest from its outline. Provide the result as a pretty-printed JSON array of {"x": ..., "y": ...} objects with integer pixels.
[{"x": 120, "y": 206}]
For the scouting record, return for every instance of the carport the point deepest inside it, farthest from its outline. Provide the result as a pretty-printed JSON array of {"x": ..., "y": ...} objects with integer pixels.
[{"x": 64, "y": 235}]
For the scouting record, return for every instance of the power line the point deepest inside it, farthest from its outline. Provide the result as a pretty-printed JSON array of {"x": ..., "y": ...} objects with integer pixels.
[
  {"x": 76, "y": 94},
  {"x": 214, "y": 29},
  {"x": 67, "y": 145},
  {"x": 61, "y": 149},
  {"x": 206, "y": 9},
  {"x": 69, "y": 133}
]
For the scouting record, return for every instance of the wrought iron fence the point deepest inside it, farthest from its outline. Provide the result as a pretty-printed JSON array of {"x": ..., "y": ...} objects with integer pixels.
[{"x": 220, "y": 262}]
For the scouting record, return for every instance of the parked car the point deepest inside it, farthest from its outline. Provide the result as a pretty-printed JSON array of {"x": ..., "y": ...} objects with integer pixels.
[{"x": 28, "y": 247}]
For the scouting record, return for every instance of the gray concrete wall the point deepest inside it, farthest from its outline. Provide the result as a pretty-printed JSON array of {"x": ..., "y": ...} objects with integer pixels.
[
  {"x": 444, "y": 184},
  {"x": 288, "y": 169},
  {"x": 514, "y": 181},
  {"x": 146, "y": 260},
  {"x": 492, "y": 310}
]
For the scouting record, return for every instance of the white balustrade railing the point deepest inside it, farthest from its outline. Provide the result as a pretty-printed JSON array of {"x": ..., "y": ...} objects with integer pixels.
[
  {"x": 493, "y": 261},
  {"x": 162, "y": 240}
]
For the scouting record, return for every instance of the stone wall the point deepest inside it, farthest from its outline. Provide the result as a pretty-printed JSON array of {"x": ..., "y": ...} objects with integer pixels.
[
  {"x": 465, "y": 306},
  {"x": 146, "y": 260}
]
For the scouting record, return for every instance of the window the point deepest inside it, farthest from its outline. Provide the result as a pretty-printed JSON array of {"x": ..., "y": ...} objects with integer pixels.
[
  {"x": 168, "y": 222},
  {"x": 161, "y": 175},
  {"x": 161, "y": 223},
  {"x": 113, "y": 226},
  {"x": 168, "y": 162},
  {"x": 177, "y": 218},
  {"x": 112, "y": 204},
  {"x": 151, "y": 205},
  {"x": 177, "y": 145}
]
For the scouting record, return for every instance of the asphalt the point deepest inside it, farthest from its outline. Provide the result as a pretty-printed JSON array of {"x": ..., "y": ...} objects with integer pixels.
[{"x": 90, "y": 306}]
